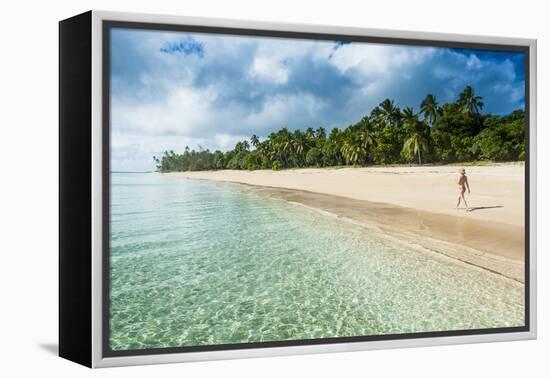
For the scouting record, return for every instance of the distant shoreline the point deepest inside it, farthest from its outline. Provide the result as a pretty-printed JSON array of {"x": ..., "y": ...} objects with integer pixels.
[{"x": 490, "y": 237}]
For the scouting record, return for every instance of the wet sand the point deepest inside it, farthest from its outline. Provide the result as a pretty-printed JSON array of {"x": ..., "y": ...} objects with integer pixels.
[
  {"x": 498, "y": 247},
  {"x": 482, "y": 241}
]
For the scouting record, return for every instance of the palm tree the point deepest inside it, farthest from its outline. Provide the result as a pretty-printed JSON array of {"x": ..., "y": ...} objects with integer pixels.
[
  {"x": 429, "y": 108},
  {"x": 365, "y": 133},
  {"x": 417, "y": 144},
  {"x": 410, "y": 119},
  {"x": 387, "y": 113},
  {"x": 320, "y": 133},
  {"x": 254, "y": 140},
  {"x": 242, "y": 146},
  {"x": 357, "y": 146},
  {"x": 281, "y": 146},
  {"x": 470, "y": 103},
  {"x": 363, "y": 124},
  {"x": 299, "y": 145},
  {"x": 157, "y": 163},
  {"x": 353, "y": 150},
  {"x": 366, "y": 137},
  {"x": 333, "y": 146}
]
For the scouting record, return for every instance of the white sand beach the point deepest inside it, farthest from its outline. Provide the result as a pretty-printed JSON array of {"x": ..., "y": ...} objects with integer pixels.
[
  {"x": 415, "y": 203},
  {"x": 497, "y": 190}
]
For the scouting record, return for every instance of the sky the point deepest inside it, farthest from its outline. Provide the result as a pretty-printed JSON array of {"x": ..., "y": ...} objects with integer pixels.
[{"x": 174, "y": 89}]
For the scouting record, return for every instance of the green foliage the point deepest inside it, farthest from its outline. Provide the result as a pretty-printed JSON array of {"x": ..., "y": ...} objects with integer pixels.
[
  {"x": 276, "y": 166},
  {"x": 453, "y": 132},
  {"x": 454, "y": 121},
  {"x": 441, "y": 141},
  {"x": 463, "y": 148},
  {"x": 415, "y": 147},
  {"x": 252, "y": 161},
  {"x": 386, "y": 114},
  {"x": 314, "y": 157},
  {"x": 471, "y": 104},
  {"x": 504, "y": 142},
  {"x": 389, "y": 142},
  {"x": 430, "y": 109}
]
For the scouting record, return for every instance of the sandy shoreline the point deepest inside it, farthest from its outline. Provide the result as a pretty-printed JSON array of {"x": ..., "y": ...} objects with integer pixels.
[{"x": 415, "y": 204}]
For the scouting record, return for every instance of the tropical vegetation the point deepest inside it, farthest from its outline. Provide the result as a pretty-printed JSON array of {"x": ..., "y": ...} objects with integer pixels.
[{"x": 452, "y": 132}]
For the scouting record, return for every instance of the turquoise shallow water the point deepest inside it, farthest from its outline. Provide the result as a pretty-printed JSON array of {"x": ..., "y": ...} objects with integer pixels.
[{"x": 200, "y": 263}]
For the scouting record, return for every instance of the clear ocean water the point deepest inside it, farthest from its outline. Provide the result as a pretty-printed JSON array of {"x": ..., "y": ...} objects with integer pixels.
[{"x": 201, "y": 263}]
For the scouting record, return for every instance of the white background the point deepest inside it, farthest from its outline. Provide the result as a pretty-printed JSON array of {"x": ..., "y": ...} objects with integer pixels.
[{"x": 29, "y": 190}]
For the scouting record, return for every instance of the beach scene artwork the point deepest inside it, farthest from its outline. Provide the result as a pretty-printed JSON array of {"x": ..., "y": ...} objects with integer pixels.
[{"x": 268, "y": 189}]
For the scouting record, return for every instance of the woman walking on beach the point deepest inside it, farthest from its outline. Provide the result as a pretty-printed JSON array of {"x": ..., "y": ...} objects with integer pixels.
[{"x": 462, "y": 185}]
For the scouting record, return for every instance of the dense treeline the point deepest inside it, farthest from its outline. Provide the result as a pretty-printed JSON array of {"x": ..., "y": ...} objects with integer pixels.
[{"x": 452, "y": 132}]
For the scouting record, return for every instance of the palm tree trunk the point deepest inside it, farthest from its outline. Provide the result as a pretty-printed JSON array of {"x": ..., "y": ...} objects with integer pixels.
[
  {"x": 419, "y": 159},
  {"x": 479, "y": 124}
]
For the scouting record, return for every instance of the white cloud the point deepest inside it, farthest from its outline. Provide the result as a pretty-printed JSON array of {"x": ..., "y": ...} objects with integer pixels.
[
  {"x": 373, "y": 59},
  {"x": 279, "y": 109},
  {"x": 269, "y": 69},
  {"x": 183, "y": 110},
  {"x": 473, "y": 62}
]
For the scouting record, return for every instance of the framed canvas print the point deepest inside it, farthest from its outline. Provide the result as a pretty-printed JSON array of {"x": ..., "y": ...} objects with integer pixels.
[{"x": 236, "y": 189}]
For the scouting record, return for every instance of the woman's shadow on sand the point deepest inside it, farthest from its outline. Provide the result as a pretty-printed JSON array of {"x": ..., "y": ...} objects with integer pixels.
[{"x": 475, "y": 208}]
